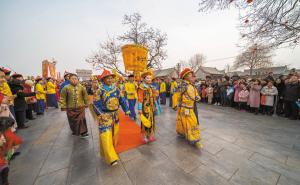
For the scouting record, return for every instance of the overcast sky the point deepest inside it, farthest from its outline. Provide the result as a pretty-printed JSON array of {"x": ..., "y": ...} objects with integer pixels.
[{"x": 70, "y": 30}]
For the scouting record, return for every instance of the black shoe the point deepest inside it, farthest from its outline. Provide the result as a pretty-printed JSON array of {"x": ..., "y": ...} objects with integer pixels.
[
  {"x": 23, "y": 127},
  {"x": 15, "y": 155},
  {"x": 84, "y": 135}
]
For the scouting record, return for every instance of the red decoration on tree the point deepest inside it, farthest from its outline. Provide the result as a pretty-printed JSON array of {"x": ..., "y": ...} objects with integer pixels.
[
  {"x": 246, "y": 21},
  {"x": 249, "y": 1}
]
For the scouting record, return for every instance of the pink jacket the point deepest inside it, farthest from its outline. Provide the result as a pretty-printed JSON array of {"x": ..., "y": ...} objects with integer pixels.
[
  {"x": 237, "y": 90},
  {"x": 243, "y": 95}
]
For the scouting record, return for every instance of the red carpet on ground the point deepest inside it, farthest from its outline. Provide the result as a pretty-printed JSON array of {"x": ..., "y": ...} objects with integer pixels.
[{"x": 129, "y": 135}]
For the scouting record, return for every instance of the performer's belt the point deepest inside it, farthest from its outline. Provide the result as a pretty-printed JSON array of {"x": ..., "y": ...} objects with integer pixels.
[
  {"x": 104, "y": 128},
  {"x": 187, "y": 107},
  {"x": 108, "y": 111}
]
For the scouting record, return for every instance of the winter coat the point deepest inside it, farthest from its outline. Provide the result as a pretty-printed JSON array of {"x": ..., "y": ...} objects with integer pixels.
[
  {"x": 292, "y": 92},
  {"x": 243, "y": 96},
  {"x": 217, "y": 91},
  {"x": 281, "y": 89},
  {"x": 28, "y": 89},
  {"x": 254, "y": 96},
  {"x": 17, "y": 89},
  {"x": 210, "y": 91},
  {"x": 237, "y": 90},
  {"x": 270, "y": 93}
]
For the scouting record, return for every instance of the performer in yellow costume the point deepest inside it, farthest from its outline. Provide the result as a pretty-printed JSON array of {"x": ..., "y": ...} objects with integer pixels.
[
  {"x": 40, "y": 95},
  {"x": 184, "y": 101},
  {"x": 106, "y": 107},
  {"x": 6, "y": 91},
  {"x": 163, "y": 92},
  {"x": 146, "y": 107},
  {"x": 131, "y": 95},
  {"x": 51, "y": 93},
  {"x": 172, "y": 90}
]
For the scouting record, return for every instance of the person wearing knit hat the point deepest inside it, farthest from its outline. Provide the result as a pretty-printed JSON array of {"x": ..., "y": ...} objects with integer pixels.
[
  {"x": 184, "y": 101},
  {"x": 66, "y": 82},
  {"x": 7, "y": 73},
  {"x": 17, "y": 76},
  {"x": 20, "y": 105},
  {"x": 106, "y": 108},
  {"x": 147, "y": 106},
  {"x": 29, "y": 100}
]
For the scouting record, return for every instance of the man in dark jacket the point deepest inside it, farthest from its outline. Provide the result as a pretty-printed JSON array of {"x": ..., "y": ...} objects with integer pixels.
[
  {"x": 223, "y": 88},
  {"x": 19, "y": 102},
  {"x": 280, "y": 85},
  {"x": 270, "y": 77},
  {"x": 292, "y": 95}
]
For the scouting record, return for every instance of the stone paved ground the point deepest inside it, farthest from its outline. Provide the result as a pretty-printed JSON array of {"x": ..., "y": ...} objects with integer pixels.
[{"x": 239, "y": 148}]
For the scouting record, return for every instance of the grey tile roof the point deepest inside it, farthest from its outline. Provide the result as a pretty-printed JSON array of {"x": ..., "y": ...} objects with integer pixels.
[
  {"x": 210, "y": 70},
  {"x": 164, "y": 72}
]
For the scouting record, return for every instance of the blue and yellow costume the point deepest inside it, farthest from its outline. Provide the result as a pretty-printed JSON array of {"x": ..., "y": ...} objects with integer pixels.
[
  {"x": 146, "y": 105},
  {"x": 106, "y": 106}
]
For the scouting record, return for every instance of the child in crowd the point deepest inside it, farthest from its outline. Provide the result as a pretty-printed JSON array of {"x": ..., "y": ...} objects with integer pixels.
[
  {"x": 237, "y": 89},
  {"x": 9, "y": 142},
  {"x": 229, "y": 94},
  {"x": 243, "y": 97},
  {"x": 269, "y": 91},
  {"x": 254, "y": 96},
  {"x": 203, "y": 93},
  {"x": 210, "y": 93}
]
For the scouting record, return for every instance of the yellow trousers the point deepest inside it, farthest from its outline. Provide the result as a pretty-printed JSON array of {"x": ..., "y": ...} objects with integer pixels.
[
  {"x": 108, "y": 137},
  {"x": 149, "y": 132},
  {"x": 187, "y": 125}
]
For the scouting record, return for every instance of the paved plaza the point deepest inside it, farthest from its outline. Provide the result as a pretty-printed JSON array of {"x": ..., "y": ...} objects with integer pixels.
[{"x": 239, "y": 148}]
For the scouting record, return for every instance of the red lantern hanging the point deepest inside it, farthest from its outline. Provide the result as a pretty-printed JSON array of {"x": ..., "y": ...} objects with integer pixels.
[
  {"x": 249, "y": 1},
  {"x": 247, "y": 21}
]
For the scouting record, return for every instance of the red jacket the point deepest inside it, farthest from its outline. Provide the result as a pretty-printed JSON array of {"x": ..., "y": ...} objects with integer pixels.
[
  {"x": 1, "y": 97},
  {"x": 28, "y": 89},
  {"x": 11, "y": 140}
]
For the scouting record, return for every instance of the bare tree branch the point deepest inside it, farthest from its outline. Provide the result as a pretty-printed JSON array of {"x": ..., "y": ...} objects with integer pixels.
[
  {"x": 256, "y": 56},
  {"x": 139, "y": 33},
  {"x": 272, "y": 22},
  {"x": 153, "y": 39},
  {"x": 196, "y": 61},
  {"x": 108, "y": 56}
]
